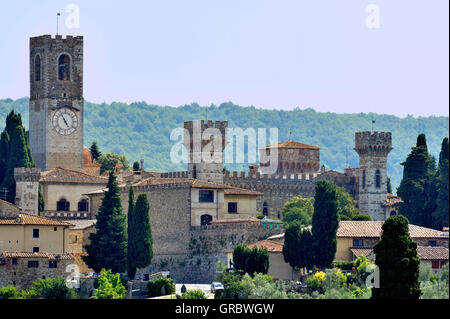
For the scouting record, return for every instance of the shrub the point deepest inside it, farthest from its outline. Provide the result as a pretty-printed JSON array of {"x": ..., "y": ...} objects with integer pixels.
[
  {"x": 315, "y": 282},
  {"x": 50, "y": 288},
  {"x": 361, "y": 217},
  {"x": 344, "y": 265},
  {"x": 155, "y": 286},
  {"x": 261, "y": 216},
  {"x": 194, "y": 294},
  {"x": 109, "y": 286},
  {"x": 9, "y": 292}
]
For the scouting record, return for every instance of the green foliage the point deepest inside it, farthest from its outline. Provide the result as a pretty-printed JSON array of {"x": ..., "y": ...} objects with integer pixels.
[
  {"x": 325, "y": 223},
  {"x": 194, "y": 294},
  {"x": 50, "y": 288},
  {"x": 440, "y": 215},
  {"x": 346, "y": 205},
  {"x": 255, "y": 260},
  {"x": 131, "y": 249},
  {"x": 140, "y": 130},
  {"x": 396, "y": 257},
  {"x": 261, "y": 216},
  {"x": 9, "y": 292},
  {"x": 418, "y": 188},
  {"x": 41, "y": 201},
  {"x": 110, "y": 160},
  {"x": 315, "y": 282},
  {"x": 343, "y": 264},
  {"x": 155, "y": 287},
  {"x": 109, "y": 286},
  {"x": 389, "y": 185},
  {"x": 108, "y": 247},
  {"x": 297, "y": 248},
  {"x": 95, "y": 152},
  {"x": 361, "y": 217},
  {"x": 136, "y": 166},
  {"x": 220, "y": 269},
  {"x": 299, "y": 209}
]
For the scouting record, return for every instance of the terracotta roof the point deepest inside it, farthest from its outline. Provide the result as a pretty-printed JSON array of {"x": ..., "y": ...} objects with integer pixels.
[
  {"x": 19, "y": 254},
  {"x": 240, "y": 191},
  {"x": 27, "y": 219},
  {"x": 81, "y": 223},
  {"x": 235, "y": 220},
  {"x": 272, "y": 246},
  {"x": 432, "y": 253},
  {"x": 351, "y": 228},
  {"x": 361, "y": 251},
  {"x": 292, "y": 144},
  {"x": 64, "y": 175},
  {"x": 392, "y": 200}
]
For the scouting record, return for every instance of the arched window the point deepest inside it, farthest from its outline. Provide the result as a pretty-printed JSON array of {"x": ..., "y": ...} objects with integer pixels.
[
  {"x": 64, "y": 67},
  {"x": 83, "y": 205},
  {"x": 205, "y": 219},
  {"x": 265, "y": 209},
  {"x": 377, "y": 179},
  {"x": 37, "y": 68},
  {"x": 364, "y": 179},
  {"x": 62, "y": 205}
]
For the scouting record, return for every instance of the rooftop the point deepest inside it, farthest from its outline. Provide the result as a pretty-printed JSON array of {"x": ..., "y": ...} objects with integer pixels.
[
  {"x": 81, "y": 223},
  {"x": 19, "y": 254},
  {"x": 27, "y": 219},
  {"x": 64, "y": 175},
  {"x": 292, "y": 144},
  {"x": 432, "y": 253},
  {"x": 272, "y": 246}
]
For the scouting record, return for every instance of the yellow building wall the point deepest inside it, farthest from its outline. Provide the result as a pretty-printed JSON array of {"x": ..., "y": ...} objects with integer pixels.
[
  {"x": 20, "y": 238},
  {"x": 73, "y": 193},
  {"x": 198, "y": 209},
  {"x": 278, "y": 268},
  {"x": 246, "y": 206},
  {"x": 343, "y": 249}
]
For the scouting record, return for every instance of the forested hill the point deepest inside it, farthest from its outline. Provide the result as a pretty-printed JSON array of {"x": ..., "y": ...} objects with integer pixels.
[{"x": 140, "y": 130}]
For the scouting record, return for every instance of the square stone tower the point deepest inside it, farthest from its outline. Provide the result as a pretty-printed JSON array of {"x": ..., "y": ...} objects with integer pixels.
[
  {"x": 56, "y": 101},
  {"x": 373, "y": 149},
  {"x": 205, "y": 142},
  {"x": 27, "y": 189}
]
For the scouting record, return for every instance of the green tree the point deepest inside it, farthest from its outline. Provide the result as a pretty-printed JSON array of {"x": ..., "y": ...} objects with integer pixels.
[
  {"x": 9, "y": 292},
  {"x": 4, "y": 142},
  {"x": 246, "y": 260},
  {"x": 291, "y": 244},
  {"x": 131, "y": 249},
  {"x": 109, "y": 286},
  {"x": 141, "y": 233},
  {"x": 194, "y": 294},
  {"x": 418, "y": 188},
  {"x": 155, "y": 287},
  {"x": 298, "y": 208},
  {"x": 136, "y": 166},
  {"x": 389, "y": 186},
  {"x": 325, "y": 223},
  {"x": 108, "y": 247},
  {"x": 41, "y": 201},
  {"x": 440, "y": 215},
  {"x": 110, "y": 160},
  {"x": 95, "y": 152},
  {"x": 396, "y": 257},
  {"x": 346, "y": 204},
  {"x": 51, "y": 288}
]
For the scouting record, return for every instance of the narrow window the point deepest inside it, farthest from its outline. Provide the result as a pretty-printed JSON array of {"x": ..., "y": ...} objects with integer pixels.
[
  {"x": 64, "y": 68},
  {"x": 265, "y": 209},
  {"x": 14, "y": 261},
  {"x": 194, "y": 172},
  {"x": 364, "y": 179},
  {"x": 37, "y": 68},
  {"x": 83, "y": 205},
  {"x": 62, "y": 205},
  {"x": 52, "y": 264},
  {"x": 35, "y": 249},
  {"x": 232, "y": 208},
  {"x": 55, "y": 228},
  {"x": 35, "y": 232},
  {"x": 377, "y": 179},
  {"x": 206, "y": 196}
]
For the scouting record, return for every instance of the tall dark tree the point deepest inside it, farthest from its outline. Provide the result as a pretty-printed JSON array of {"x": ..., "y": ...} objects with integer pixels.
[
  {"x": 291, "y": 246},
  {"x": 396, "y": 257},
  {"x": 4, "y": 143},
  {"x": 142, "y": 234},
  {"x": 251, "y": 261},
  {"x": 136, "y": 166},
  {"x": 418, "y": 188},
  {"x": 131, "y": 250},
  {"x": 389, "y": 185},
  {"x": 441, "y": 214},
  {"x": 95, "y": 152},
  {"x": 325, "y": 223},
  {"x": 108, "y": 247},
  {"x": 305, "y": 251}
]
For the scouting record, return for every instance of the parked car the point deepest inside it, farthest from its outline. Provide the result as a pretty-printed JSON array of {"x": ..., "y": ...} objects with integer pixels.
[{"x": 216, "y": 286}]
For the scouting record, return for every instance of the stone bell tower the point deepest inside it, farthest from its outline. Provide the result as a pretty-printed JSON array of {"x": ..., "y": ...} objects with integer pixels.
[
  {"x": 373, "y": 149},
  {"x": 203, "y": 163},
  {"x": 56, "y": 101}
]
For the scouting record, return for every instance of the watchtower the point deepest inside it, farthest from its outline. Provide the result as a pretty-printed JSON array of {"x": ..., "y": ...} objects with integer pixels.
[
  {"x": 373, "y": 149},
  {"x": 56, "y": 101},
  {"x": 205, "y": 142}
]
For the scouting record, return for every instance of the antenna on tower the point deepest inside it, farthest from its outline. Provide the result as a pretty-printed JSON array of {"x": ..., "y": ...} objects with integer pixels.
[
  {"x": 57, "y": 15},
  {"x": 346, "y": 156},
  {"x": 290, "y": 134},
  {"x": 373, "y": 122}
]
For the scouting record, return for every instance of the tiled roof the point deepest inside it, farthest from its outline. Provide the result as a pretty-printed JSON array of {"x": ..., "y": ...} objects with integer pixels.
[
  {"x": 350, "y": 228},
  {"x": 292, "y": 144},
  {"x": 27, "y": 219},
  {"x": 272, "y": 246},
  {"x": 19, "y": 254},
  {"x": 432, "y": 253},
  {"x": 361, "y": 251},
  {"x": 392, "y": 200},
  {"x": 240, "y": 191},
  {"x": 81, "y": 223},
  {"x": 64, "y": 175}
]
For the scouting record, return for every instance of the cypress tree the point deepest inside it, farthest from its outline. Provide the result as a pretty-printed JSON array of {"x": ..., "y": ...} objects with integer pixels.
[
  {"x": 418, "y": 188},
  {"x": 325, "y": 223},
  {"x": 291, "y": 246},
  {"x": 396, "y": 257},
  {"x": 136, "y": 166},
  {"x": 389, "y": 186},
  {"x": 131, "y": 264},
  {"x": 441, "y": 215},
  {"x": 95, "y": 152},
  {"x": 305, "y": 250},
  {"x": 108, "y": 247},
  {"x": 4, "y": 144},
  {"x": 142, "y": 235}
]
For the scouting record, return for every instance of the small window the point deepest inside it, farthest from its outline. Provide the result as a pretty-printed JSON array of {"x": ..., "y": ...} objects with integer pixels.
[
  {"x": 35, "y": 249},
  {"x": 55, "y": 228},
  {"x": 14, "y": 261},
  {"x": 64, "y": 67},
  {"x": 37, "y": 68},
  {"x": 62, "y": 205},
  {"x": 232, "y": 208},
  {"x": 35, "y": 232},
  {"x": 377, "y": 179},
  {"x": 265, "y": 209},
  {"x": 432, "y": 243},
  {"x": 52, "y": 264},
  {"x": 205, "y": 220},
  {"x": 206, "y": 196},
  {"x": 83, "y": 205},
  {"x": 33, "y": 264},
  {"x": 364, "y": 179},
  {"x": 146, "y": 277},
  {"x": 435, "y": 264},
  {"x": 358, "y": 243}
]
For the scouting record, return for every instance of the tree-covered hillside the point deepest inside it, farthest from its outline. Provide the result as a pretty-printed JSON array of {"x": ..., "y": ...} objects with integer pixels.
[{"x": 140, "y": 130}]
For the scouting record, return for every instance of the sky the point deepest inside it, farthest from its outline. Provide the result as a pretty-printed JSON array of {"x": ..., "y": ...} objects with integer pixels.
[{"x": 389, "y": 57}]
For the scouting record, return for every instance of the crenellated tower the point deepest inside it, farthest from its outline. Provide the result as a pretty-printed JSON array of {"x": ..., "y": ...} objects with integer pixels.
[
  {"x": 373, "y": 149},
  {"x": 205, "y": 142}
]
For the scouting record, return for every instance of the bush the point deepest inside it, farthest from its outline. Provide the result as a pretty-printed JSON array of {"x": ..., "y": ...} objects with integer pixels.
[
  {"x": 50, "y": 288},
  {"x": 344, "y": 265},
  {"x": 109, "y": 286},
  {"x": 194, "y": 294},
  {"x": 155, "y": 286},
  {"x": 9, "y": 292},
  {"x": 261, "y": 216},
  {"x": 361, "y": 217},
  {"x": 315, "y": 282}
]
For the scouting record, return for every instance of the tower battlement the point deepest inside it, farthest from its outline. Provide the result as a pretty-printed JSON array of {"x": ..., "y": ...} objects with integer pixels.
[
  {"x": 373, "y": 143},
  {"x": 23, "y": 174},
  {"x": 197, "y": 127},
  {"x": 48, "y": 40}
]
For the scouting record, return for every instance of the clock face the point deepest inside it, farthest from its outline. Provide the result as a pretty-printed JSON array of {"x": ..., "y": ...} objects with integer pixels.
[{"x": 65, "y": 121}]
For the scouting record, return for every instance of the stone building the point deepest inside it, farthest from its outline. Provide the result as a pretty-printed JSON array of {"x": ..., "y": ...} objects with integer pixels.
[
  {"x": 8, "y": 210},
  {"x": 27, "y": 188}
]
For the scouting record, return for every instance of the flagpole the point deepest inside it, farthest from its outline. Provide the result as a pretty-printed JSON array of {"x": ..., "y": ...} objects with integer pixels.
[{"x": 57, "y": 15}]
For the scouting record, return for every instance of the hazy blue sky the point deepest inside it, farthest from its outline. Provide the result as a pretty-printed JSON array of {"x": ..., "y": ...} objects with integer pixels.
[{"x": 270, "y": 54}]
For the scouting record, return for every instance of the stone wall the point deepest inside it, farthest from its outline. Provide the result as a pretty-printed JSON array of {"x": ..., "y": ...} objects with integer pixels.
[
  {"x": 27, "y": 189},
  {"x": 8, "y": 210}
]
